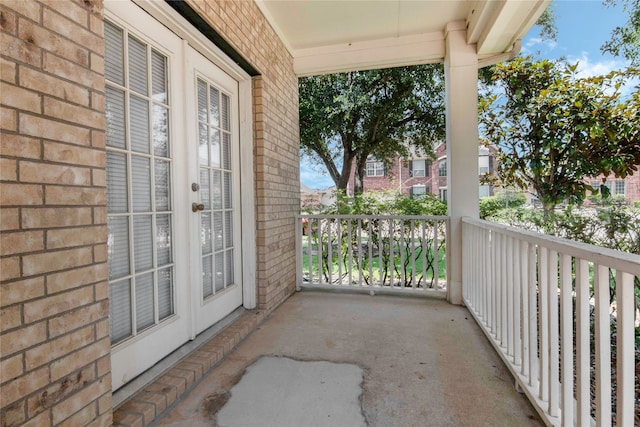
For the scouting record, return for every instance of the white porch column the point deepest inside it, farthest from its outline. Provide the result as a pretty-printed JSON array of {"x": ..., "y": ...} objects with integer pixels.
[{"x": 461, "y": 83}]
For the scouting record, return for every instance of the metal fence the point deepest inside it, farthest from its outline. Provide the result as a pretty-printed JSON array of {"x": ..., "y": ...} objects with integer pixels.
[{"x": 372, "y": 253}]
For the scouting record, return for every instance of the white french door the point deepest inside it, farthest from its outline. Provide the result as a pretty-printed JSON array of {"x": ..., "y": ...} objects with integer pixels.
[
  {"x": 214, "y": 167},
  {"x": 174, "y": 244}
]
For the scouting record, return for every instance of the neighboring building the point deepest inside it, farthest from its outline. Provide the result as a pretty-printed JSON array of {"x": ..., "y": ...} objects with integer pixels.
[
  {"x": 419, "y": 175},
  {"x": 312, "y": 198},
  {"x": 628, "y": 187}
]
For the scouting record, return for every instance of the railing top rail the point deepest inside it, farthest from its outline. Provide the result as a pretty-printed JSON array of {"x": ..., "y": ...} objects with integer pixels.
[
  {"x": 397, "y": 217},
  {"x": 612, "y": 258}
]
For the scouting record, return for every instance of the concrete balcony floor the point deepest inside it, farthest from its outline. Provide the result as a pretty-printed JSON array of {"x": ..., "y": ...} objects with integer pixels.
[{"x": 424, "y": 363}]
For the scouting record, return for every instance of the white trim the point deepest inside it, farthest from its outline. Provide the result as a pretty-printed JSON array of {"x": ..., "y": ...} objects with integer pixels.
[{"x": 388, "y": 52}]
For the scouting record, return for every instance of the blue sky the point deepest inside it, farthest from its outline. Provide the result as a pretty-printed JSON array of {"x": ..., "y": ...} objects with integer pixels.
[{"x": 583, "y": 26}]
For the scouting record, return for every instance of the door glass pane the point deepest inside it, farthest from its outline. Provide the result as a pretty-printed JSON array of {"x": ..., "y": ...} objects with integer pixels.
[
  {"x": 142, "y": 242},
  {"x": 228, "y": 229},
  {"x": 203, "y": 145},
  {"x": 217, "y": 231},
  {"x": 214, "y": 111},
  {"x": 120, "y": 310},
  {"x": 226, "y": 149},
  {"x": 160, "y": 131},
  {"x": 207, "y": 276},
  {"x": 228, "y": 274},
  {"x": 205, "y": 188},
  {"x": 227, "y": 190},
  {"x": 205, "y": 232},
  {"x": 226, "y": 119},
  {"x": 114, "y": 115},
  {"x": 113, "y": 62},
  {"x": 118, "y": 246},
  {"x": 117, "y": 201},
  {"x": 216, "y": 190},
  {"x": 215, "y": 148},
  {"x": 202, "y": 101},
  {"x": 139, "y": 119},
  {"x": 159, "y": 77},
  {"x": 219, "y": 271},
  {"x": 141, "y": 183},
  {"x": 144, "y": 301},
  {"x": 165, "y": 293},
  {"x": 163, "y": 185},
  {"x": 138, "y": 67},
  {"x": 163, "y": 240}
]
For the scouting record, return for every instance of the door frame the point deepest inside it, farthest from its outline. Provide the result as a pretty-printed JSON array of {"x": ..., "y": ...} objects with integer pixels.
[{"x": 165, "y": 14}]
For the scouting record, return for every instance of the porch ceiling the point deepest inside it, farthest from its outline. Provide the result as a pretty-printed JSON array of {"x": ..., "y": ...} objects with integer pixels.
[{"x": 330, "y": 36}]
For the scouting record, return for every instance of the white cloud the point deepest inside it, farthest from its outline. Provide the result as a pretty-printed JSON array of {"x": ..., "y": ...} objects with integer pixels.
[
  {"x": 536, "y": 44},
  {"x": 312, "y": 176},
  {"x": 587, "y": 68}
]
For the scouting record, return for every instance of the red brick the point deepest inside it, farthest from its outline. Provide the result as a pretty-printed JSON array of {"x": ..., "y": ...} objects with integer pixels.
[
  {"x": 8, "y": 118},
  {"x": 11, "y": 368},
  {"x": 53, "y": 305},
  {"x": 52, "y": 42},
  {"x": 16, "y": 292},
  {"x": 19, "y": 146},
  {"x": 81, "y": 196},
  {"x": 77, "y": 318},
  {"x": 78, "y": 359},
  {"x": 10, "y": 317},
  {"x": 55, "y": 217},
  {"x": 9, "y": 268},
  {"x": 72, "y": 71},
  {"x": 77, "y": 402},
  {"x": 20, "y": 50},
  {"x": 54, "y": 261},
  {"x": 54, "y": 174},
  {"x": 70, "y": 10},
  {"x": 21, "y": 242},
  {"x": 73, "y": 113},
  {"x": 29, "y": 9},
  {"x": 51, "y": 85},
  {"x": 80, "y": 236},
  {"x": 50, "y": 129},
  {"x": 21, "y": 99},
  {"x": 66, "y": 28},
  {"x": 26, "y": 337},
  {"x": 8, "y": 170},
  {"x": 59, "y": 347}
]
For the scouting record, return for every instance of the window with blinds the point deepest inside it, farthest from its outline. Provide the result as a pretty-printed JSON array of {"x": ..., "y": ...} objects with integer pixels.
[
  {"x": 216, "y": 219},
  {"x": 139, "y": 167}
]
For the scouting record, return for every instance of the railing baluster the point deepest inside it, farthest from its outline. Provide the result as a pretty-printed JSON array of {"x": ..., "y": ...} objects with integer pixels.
[
  {"x": 309, "y": 249},
  {"x": 436, "y": 256},
  {"x": 533, "y": 317},
  {"x": 504, "y": 328},
  {"x": 402, "y": 255},
  {"x": 509, "y": 286},
  {"x": 583, "y": 353},
  {"x": 603, "y": 345},
  {"x": 320, "y": 251},
  {"x": 370, "y": 246},
  {"x": 350, "y": 249},
  {"x": 566, "y": 317},
  {"x": 340, "y": 251},
  {"x": 423, "y": 254},
  {"x": 359, "y": 231},
  {"x": 625, "y": 348},
  {"x": 380, "y": 252},
  {"x": 524, "y": 264},
  {"x": 413, "y": 255},
  {"x": 543, "y": 289},
  {"x": 329, "y": 253},
  {"x": 299, "y": 230},
  {"x": 516, "y": 281},
  {"x": 554, "y": 361}
]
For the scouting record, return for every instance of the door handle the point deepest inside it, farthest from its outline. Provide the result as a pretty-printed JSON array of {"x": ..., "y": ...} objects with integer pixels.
[{"x": 197, "y": 207}]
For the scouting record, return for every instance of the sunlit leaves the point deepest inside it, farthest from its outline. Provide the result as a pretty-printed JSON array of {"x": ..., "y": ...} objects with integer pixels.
[{"x": 554, "y": 129}]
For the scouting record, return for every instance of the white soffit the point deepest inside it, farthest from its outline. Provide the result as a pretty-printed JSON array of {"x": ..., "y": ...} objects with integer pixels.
[{"x": 326, "y": 36}]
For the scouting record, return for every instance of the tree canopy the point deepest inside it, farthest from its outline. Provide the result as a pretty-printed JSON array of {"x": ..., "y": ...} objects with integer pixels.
[
  {"x": 554, "y": 129},
  {"x": 625, "y": 40},
  {"x": 346, "y": 117}
]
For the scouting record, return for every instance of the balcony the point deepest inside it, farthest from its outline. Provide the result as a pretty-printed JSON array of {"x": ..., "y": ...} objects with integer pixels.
[{"x": 547, "y": 334}]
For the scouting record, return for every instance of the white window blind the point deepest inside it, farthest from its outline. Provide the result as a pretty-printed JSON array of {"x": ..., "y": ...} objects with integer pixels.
[{"x": 140, "y": 232}]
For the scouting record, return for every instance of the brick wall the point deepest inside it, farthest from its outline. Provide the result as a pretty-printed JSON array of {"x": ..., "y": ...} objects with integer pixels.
[
  {"x": 54, "y": 328},
  {"x": 54, "y": 332},
  {"x": 276, "y": 143}
]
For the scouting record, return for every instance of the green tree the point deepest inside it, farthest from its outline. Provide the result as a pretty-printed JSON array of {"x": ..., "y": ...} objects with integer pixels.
[
  {"x": 554, "y": 129},
  {"x": 346, "y": 117},
  {"x": 625, "y": 40}
]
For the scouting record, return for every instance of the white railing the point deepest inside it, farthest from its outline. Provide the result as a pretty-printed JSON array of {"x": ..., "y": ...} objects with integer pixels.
[
  {"x": 372, "y": 253},
  {"x": 544, "y": 303}
]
